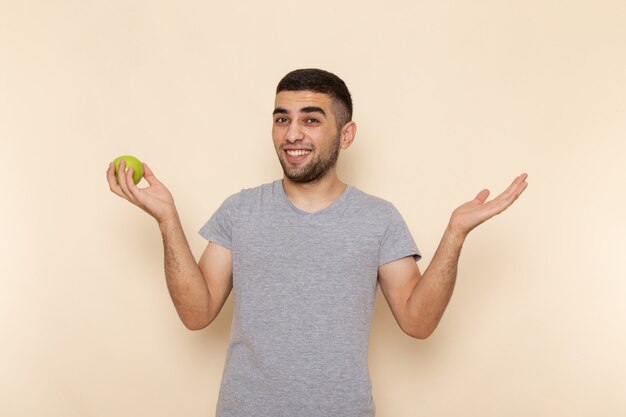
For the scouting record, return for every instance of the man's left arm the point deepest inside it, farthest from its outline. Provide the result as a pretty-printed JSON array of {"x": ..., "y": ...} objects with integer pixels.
[{"x": 418, "y": 301}]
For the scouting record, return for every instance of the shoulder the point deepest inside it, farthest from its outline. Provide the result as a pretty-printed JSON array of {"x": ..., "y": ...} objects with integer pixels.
[
  {"x": 258, "y": 194},
  {"x": 371, "y": 203},
  {"x": 252, "y": 192},
  {"x": 249, "y": 198}
]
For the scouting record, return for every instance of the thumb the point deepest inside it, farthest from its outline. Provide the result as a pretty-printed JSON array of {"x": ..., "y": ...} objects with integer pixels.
[
  {"x": 482, "y": 196},
  {"x": 149, "y": 175}
]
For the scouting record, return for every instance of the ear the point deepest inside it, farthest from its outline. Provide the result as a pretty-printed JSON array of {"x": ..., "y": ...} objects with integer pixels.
[{"x": 348, "y": 132}]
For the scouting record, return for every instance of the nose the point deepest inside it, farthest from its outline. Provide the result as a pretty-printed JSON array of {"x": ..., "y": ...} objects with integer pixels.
[{"x": 294, "y": 132}]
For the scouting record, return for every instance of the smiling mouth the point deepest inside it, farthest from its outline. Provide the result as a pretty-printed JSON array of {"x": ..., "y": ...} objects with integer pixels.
[{"x": 297, "y": 152}]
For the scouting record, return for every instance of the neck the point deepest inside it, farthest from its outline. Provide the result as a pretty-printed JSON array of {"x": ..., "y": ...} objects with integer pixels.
[{"x": 314, "y": 196}]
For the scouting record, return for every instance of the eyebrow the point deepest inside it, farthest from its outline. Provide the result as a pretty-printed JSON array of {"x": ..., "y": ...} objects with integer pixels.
[
  {"x": 308, "y": 109},
  {"x": 280, "y": 110},
  {"x": 313, "y": 109}
]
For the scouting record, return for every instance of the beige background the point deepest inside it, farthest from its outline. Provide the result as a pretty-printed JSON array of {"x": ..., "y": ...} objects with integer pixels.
[{"x": 450, "y": 97}]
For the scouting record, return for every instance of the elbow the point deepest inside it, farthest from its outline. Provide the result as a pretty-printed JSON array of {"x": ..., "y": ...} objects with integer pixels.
[
  {"x": 419, "y": 331},
  {"x": 419, "y": 334},
  {"x": 196, "y": 323},
  {"x": 419, "y": 325},
  {"x": 196, "y": 319},
  {"x": 195, "y": 326}
]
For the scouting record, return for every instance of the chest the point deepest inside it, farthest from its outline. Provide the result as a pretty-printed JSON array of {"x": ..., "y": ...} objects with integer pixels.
[{"x": 300, "y": 259}]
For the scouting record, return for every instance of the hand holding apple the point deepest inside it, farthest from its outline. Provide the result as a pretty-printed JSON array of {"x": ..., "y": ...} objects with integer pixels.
[
  {"x": 155, "y": 199},
  {"x": 130, "y": 161}
]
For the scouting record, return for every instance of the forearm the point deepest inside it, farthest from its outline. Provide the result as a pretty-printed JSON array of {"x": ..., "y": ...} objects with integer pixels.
[
  {"x": 185, "y": 282},
  {"x": 432, "y": 293},
  {"x": 419, "y": 301}
]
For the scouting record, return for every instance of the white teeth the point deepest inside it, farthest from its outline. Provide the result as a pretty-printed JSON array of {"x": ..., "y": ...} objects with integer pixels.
[{"x": 298, "y": 153}]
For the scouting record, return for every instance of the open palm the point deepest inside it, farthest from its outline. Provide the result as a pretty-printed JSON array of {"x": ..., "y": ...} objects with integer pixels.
[{"x": 471, "y": 214}]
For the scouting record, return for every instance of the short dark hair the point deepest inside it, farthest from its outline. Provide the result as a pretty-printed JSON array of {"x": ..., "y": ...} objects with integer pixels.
[{"x": 321, "y": 81}]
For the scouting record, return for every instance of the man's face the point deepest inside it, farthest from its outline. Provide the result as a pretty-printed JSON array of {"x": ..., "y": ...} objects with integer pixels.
[{"x": 305, "y": 134}]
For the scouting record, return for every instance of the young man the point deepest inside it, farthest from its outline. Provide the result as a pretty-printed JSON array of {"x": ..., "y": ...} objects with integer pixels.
[{"x": 304, "y": 256}]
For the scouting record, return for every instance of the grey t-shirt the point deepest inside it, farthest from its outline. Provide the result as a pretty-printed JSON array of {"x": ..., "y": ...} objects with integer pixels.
[{"x": 304, "y": 286}]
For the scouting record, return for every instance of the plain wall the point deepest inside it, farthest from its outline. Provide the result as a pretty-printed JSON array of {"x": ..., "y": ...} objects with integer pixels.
[{"x": 450, "y": 97}]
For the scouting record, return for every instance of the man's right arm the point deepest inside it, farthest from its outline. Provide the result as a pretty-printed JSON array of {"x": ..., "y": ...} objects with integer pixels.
[{"x": 198, "y": 289}]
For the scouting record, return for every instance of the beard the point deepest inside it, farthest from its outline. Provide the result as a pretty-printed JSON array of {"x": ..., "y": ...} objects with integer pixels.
[{"x": 315, "y": 169}]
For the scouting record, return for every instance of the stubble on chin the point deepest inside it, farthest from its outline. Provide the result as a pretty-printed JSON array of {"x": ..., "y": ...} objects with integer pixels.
[{"x": 315, "y": 170}]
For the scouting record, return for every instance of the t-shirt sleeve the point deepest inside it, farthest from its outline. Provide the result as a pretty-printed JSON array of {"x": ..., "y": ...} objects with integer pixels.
[
  {"x": 219, "y": 228},
  {"x": 397, "y": 242}
]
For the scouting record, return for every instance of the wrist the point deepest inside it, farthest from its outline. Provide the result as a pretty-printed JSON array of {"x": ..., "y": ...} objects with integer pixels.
[
  {"x": 454, "y": 235},
  {"x": 168, "y": 221}
]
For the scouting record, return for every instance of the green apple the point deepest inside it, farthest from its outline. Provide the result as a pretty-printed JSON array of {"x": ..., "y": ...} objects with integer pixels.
[{"x": 131, "y": 161}]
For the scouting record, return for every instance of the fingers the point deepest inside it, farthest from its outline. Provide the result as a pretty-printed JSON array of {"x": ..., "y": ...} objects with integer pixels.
[
  {"x": 130, "y": 189},
  {"x": 516, "y": 188},
  {"x": 122, "y": 179},
  {"x": 113, "y": 181},
  {"x": 122, "y": 184},
  {"x": 512, "y": 193}
]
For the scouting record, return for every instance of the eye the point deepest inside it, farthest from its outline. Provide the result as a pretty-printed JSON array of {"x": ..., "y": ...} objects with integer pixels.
[
  {"x": 312, "y": 120},
  {"x": 280, "y": 120}
]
